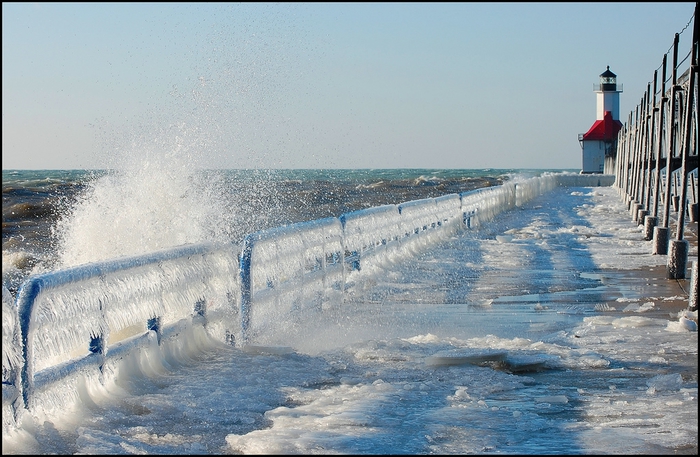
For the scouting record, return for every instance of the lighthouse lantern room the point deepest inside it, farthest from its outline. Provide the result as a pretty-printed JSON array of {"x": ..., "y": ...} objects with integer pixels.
[{"x": 599, "y": 144}]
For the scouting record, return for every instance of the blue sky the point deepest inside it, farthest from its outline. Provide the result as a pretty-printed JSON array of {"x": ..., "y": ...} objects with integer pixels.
[{"x": 308, "y": 85}]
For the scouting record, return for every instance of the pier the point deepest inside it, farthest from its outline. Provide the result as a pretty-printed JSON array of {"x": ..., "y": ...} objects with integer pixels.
[{"x": 403, "y": 275}]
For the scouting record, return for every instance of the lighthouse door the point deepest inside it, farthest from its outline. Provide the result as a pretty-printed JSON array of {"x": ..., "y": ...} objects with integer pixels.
[{"x": 593, "y": 156}]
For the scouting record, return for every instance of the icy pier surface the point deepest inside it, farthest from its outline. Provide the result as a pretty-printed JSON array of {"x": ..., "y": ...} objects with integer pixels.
[{"x": 548, "y": 329}]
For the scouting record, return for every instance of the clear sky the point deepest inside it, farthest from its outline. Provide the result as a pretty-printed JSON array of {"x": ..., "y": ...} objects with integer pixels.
[{"x": 309, "y": 85}]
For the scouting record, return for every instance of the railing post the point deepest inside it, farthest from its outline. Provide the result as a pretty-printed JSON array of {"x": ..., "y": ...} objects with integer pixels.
[
  {"x": 25, "y": 304},
  {"x": 662, "y": 233},
  {"x": 659, "y": 135},
  {"x": 648, "y": 154},
  {"x": 652, "y": 220},
  {"x": 693, "y": 298},
  {"x": 246, "y": 284},
  {"x": 155, "y": 324}
]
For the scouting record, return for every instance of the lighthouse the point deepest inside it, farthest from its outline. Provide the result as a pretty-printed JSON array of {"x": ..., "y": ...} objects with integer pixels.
[{"x": 599, "y": 144}]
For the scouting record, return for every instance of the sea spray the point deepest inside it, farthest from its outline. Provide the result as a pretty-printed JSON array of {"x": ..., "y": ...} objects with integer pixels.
[
  {"x": 166, "y": 183},
  {"x": 157, "y": 198}
]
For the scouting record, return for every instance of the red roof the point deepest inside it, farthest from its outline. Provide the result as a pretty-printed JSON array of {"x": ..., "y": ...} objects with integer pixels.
[{"x": 605, "y": 129}]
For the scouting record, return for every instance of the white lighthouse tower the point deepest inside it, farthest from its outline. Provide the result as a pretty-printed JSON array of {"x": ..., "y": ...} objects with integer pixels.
[{"x": 599, "y": 144}]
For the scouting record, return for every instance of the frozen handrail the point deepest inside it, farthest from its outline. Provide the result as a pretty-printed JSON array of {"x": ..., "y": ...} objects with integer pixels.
[
  {"x": 74, "y": 312},
  {"x": 12, "y": 359},
  {"x": 367, "y": 232},
  {"x": 448, "y": 207},
  {"x": 484, "y": 204},
  {"x": 418, "y": 215},
  {"x": 293, "y": 260}
]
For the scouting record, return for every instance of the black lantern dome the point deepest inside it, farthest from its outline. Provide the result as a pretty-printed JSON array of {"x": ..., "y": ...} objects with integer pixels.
[{"x": 608, "y": 80}]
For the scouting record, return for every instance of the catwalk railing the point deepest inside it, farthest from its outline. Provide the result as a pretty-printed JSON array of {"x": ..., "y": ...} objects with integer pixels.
[
  {"x": 656, "y": 163},
  {"x": 74, "y": 327}
]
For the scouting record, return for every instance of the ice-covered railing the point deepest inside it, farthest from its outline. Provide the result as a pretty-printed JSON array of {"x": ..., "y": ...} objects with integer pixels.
[
  {"x": 482, "y": 205},
  {"x": 301, "y": 266},
  {"x": 368, "y": 233},
  {"x": 286, "y": 269},
  {"x": 77, "y": 324},
  {"x": 532, "y": 188},
  {"x": 12, "y": 360},
  {"x": 75, "y": 321}
]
